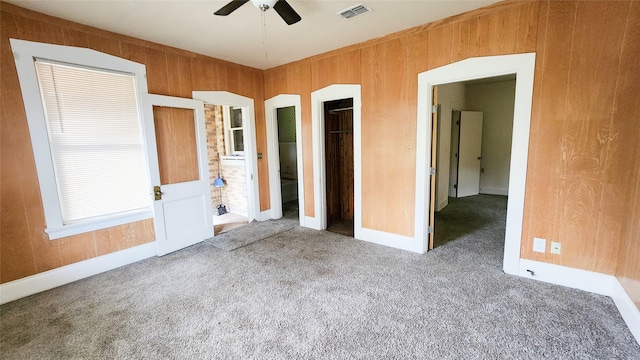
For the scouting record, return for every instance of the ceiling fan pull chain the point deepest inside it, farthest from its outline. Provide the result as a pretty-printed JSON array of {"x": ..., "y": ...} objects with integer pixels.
[{"x": 264, "y": 34}]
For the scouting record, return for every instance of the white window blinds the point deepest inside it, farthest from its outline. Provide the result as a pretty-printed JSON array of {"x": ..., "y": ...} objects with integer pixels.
[{"x": 96, "y": 144}]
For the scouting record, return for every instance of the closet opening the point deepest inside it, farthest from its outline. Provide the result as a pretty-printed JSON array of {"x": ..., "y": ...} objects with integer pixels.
[{"x": 338, "y": 116}]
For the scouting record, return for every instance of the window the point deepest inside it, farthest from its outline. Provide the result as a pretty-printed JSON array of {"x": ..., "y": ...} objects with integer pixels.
[
  {"x": 234, "y": 135},
  {"x": 86, "y": 129}
]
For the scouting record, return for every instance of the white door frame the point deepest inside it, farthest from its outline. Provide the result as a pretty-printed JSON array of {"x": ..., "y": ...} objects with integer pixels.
[
  {"x": 249, "y": 134},
  {"x": 271, "y": 107},
  {"x": 318, "y": 98},
  {"x": 523, "y": 66}
]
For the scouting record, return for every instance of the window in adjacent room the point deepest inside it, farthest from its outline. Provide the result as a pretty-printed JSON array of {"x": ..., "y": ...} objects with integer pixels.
[{"x": 233, "y": 124}]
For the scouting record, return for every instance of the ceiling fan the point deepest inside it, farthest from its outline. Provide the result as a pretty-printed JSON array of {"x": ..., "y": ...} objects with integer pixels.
[{"x": 283, "y": 9}]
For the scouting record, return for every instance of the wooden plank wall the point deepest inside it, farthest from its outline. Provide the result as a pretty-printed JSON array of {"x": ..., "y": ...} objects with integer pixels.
[
  {"x": 584, "y": 131},
  {"x": 24, "y": 247},
  {"x": 387, "y": 69},
  {"x": 582, "y": 189},
  {"x": 578, "y": 180},
  {"x": 628, "y": 150}
]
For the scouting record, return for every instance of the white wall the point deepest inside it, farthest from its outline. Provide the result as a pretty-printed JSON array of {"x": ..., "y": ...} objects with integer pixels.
[
  {"x": 286, "y": 118},
  {"x": 496, "y": 101},
  {"x": 450, "y": 97}
]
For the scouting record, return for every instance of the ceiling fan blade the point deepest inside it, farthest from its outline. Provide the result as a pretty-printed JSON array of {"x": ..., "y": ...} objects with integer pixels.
[
  {"x": 286, "y": 12},
  {"x": 230, "y": 7}
]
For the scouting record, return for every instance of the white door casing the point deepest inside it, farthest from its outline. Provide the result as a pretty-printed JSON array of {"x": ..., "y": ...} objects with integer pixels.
[
  {"x": 469, "y": 153},
  {"x": 271, "y": 107},
  {"x": 250, "y": 152},
  {"x": 183, "y": 216},
  {"x": 523, "y": 66},
  {"x": 318, "y": 98}
]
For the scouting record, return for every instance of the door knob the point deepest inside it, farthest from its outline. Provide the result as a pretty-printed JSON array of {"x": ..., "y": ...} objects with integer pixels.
[{"x": 157, "y": 193}]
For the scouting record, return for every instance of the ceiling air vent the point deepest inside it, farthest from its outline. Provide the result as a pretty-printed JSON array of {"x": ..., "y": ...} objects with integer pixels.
[{"x": 354, "y": 11}]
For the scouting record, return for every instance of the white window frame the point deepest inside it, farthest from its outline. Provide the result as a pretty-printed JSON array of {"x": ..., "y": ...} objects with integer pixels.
[
  {"x": 229, "y": 141},
  {"x": 25, "y": 53}
]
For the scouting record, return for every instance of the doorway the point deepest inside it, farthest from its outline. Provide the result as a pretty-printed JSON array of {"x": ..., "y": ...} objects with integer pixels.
[
  {"x": 225, "y": 149},
  {"x": 474, "y": 170},
  {"x": 232, "y": 158},
  {"x": 523, "y": 66},
  {"x": 288, "y": 161},
  {"x": 338, "y": 136},
  {"x": 286, "y": 176},
  {"x": 318, "y": 100}
]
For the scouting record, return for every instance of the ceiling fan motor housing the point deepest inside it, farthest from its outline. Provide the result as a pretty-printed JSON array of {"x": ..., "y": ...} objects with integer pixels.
[{"x": 263, "y": 5}]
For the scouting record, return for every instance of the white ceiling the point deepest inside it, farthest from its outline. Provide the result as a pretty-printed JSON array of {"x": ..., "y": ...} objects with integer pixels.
[{"x": 191, "y": 25}]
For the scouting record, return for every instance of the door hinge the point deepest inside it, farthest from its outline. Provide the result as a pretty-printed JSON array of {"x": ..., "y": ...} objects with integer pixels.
[
  {"x": 432, "y": 171},
  {"x": 429, "y": 229},
  {"x": 434, "y": 109}
]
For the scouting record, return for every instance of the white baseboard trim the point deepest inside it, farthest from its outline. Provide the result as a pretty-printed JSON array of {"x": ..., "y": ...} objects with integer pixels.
[
  {"x": 627, "y": 308},
  {"x": 494, "y": 191},
  {"x": 389, "y": 239},
  {"x": 34, "y": 284},
  {"x": 574, "y": 278},
  {"x": 590, "y": 281}
]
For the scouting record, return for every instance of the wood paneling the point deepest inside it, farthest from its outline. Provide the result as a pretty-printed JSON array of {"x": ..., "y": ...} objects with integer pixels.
[
  {"x": 176, "y": 142},
  {"x": 549, "y": 103},
  {"x": 388, "y": 69},
  {"x": 578, "y": 179},
  {"x": 388, "y": 138},
  {"x": 344, "y": 68},
  {"x": 580, "y": 189},
  {"x": 627, "y": 150},
  {"x": 574, "y": 197},
  {"x": 296, "y": 79},
  {"x": 628, "y": 267},
  {"x": 24, "y": 247}
]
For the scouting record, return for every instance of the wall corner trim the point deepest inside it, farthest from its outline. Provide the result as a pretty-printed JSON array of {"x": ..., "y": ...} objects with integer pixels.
[
  {"x": 590, "y": 281},
  {"x": 47, "y": 280}
]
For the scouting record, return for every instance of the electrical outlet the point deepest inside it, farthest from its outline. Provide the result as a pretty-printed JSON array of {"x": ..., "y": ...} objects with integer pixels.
[
  {"x": 555, "y": 247},
  {"x": 539, "y": 245}
]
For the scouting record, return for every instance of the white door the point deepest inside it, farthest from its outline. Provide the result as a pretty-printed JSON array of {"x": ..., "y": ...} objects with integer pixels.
[
  {"x": 179, "y": 171},
  {"x": 469, "y": 153}
]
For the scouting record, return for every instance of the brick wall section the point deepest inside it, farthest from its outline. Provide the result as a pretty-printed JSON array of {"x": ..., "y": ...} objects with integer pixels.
[
  {"x": 213, "y": 113},
  {"x": 235, "y": 191}
]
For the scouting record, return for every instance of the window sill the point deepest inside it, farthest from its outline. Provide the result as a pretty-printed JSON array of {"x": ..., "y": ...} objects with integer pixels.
[
  {"x": 97, "y": 224},
  {"x": 233, "y": 160}
]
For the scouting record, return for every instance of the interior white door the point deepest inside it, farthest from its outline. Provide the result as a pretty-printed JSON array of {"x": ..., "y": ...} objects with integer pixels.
[
  {"x": 469, "y": 153},
  {"x": 179, "y": 172}
]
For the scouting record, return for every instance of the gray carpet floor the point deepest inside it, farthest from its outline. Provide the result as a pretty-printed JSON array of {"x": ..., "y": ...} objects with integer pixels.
[
  {"x": 305, "y": 294},
  {"x": 244, "y": 235}
]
